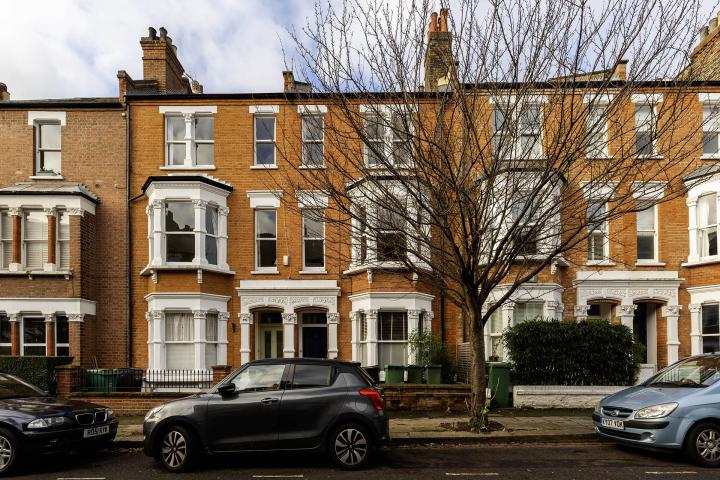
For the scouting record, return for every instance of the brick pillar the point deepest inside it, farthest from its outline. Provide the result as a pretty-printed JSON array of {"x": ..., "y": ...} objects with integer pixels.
[
  {"x": 76, "y": 327},
  {"x": 52, "y": 238},
  {"x": 14, "y": 334},
  {"x": 50, "y": 335},
  {"x": 220, "y": 372},
  {"x": 16, "y": 263},
  {"x": 68, "y": 379}
]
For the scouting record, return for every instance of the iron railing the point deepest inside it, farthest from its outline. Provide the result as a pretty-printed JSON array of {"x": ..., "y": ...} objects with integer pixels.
[{"x": 109, "y": 380}]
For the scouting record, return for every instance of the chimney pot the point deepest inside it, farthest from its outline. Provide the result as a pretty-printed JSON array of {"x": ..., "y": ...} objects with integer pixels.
[
  {"x": 704, "y": 31},
  {"x": 433, "y": 22},
  {"x": 196, "y": 87},
  {"x": 713, "y": 23},
  {"x": 443, "y": 19},
  {"x": 152, "y": 33},
  {"x": 4, "y": 94},
  {"x": 163, "y": 33}
]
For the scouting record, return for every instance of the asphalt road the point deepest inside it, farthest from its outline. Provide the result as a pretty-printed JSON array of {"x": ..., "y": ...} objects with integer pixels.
[{"x": 510, "y": 461}]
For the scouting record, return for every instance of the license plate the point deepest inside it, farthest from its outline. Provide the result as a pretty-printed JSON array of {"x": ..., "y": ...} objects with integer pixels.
[
  {"x": 96, "y": 431},
  {"x": 616, "y": 424}
]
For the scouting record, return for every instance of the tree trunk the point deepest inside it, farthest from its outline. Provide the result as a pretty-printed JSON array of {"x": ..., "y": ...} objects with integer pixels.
[{"x": 478, "y": 383}]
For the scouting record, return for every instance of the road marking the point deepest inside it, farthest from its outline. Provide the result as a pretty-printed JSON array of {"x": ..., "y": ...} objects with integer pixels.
[
  {"x": 671, "y": 473},
  {"x": 81, "y": 478},
  {"x": 471, "y": 474},
  {"x": 278, "y": 476}
]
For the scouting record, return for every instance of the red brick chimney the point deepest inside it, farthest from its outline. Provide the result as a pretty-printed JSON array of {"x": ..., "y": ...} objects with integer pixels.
[
  {"x": 4, "y": 94},
  {"x": 438, "y": 56},
  {"x": 160, "y": 63},
  {"x": 290, "y": 85}
]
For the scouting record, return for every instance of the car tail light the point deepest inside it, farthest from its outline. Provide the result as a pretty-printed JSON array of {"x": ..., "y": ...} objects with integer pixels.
[{"x": 374, "y": 397}]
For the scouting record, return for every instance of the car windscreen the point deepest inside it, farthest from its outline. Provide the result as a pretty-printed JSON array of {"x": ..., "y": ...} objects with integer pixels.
[
  {"x": 697, "y": 372},
  {"x": 11, "y": 387}
]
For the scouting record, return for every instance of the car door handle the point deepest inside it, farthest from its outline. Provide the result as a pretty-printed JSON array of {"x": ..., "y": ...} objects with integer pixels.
[{"x": 269, "y": 400}]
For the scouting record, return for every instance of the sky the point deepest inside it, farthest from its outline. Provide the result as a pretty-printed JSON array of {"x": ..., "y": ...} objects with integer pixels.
[{"x": 74, "y": 48}]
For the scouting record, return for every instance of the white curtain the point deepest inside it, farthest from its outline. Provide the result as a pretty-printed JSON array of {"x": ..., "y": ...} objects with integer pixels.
[
  {"x": 211, "y": 335},
  {"x": 179, "y": 326}
]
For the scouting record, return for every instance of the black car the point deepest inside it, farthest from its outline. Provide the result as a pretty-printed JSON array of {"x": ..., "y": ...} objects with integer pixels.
[
  {"x": 281, "y": 404},
  {"x": 33, "y": 422}
]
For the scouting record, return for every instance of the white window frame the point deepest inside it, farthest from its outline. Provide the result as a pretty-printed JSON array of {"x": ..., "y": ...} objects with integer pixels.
[
  {"x": 704, "y": 335},
  {"x": 388, "y": 138},
  {"x": 603, "y": 229},
  {"x": 25, "y": 241},
  {"x": 306, "y": 268},
  {"x": 597, "y": 133},
  {"x": 517, "y": 106},
  {"x": 4, "y": 317},
  {"x": 496, "y": 335},
  {"x": 258, "y": 268},
  {"x": 216, "y": 341},
  {"x": 524, "y": 304},
  {"x": 62, "y": 240},
  {"x": 264, "y": 112},
  {"x": 189, "y": 114},
  {"x": 655, "y": 230},
  {"x": 312, "y": 111},
  {"x": 192, "y": 341},
  {"x": 5, "y": 239},
  {"x": 59, "y": 345},
  {"x": 22, "y": 335},
  {"x": 652, "y": 101},
  {"x": 405, "y": 342},
  {"x": 165, "y": 232},
  {"x": 214, "y": 236},
  {"x": 39, "y": 150},
  {"x": 708, "y": 227}
]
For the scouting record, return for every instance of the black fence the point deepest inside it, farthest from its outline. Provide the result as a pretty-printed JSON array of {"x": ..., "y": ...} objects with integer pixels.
[{"x": 108, "y": 380}]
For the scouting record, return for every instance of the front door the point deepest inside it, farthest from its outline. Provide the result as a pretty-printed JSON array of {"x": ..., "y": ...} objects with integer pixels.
[
  {"x": 269, "y": 335},
  {"x": 249, "y": 419}
]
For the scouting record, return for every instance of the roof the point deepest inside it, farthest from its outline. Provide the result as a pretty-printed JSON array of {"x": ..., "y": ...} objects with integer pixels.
[
  {"x": 78, "y": 102},
  {"x": 702, "y": 172},
  {"x": 187, "y": 178},
  {"x": 49, "y": 189}
]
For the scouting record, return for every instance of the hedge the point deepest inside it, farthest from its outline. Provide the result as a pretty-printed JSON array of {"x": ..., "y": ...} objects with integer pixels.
[
  {"x": 594, "y": 352},
  {"x": 40, "y": 371}
]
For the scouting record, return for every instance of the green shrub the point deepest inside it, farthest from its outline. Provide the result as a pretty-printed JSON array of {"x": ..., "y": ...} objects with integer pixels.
[
  {"x": 40, "y": 371},
  {"x": 430, "y": 350},
  {"x": 572, "y": 353}
]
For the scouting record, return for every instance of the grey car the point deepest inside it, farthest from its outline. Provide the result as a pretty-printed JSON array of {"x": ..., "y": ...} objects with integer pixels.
[
  {"x": 267, "y": 405},
  {"x": 677, "y": 409}
]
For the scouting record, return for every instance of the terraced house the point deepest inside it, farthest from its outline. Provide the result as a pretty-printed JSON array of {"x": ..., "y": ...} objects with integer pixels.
[{"x": 159, "y": 231}]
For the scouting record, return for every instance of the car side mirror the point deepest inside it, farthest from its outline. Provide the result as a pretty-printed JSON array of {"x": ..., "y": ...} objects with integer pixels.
[{"x": 227, "y": 389}]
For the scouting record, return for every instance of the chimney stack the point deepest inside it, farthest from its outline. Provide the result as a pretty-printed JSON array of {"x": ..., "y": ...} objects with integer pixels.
[
  {"x": 196, "y": 87},
  {"x": 620, "y": 71},
  {"x": 4, "y": 94},
  {"x": 705, "y": 57},
  {"x": 290, "y": 85},
  {"x": 439, "y": 62},
  {"x": 161, "y": 64}
]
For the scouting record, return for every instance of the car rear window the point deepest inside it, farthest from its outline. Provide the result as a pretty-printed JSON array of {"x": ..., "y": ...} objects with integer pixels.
[
  {"x": 361, "y": 377},
  {"x": 309, "y": 376}
]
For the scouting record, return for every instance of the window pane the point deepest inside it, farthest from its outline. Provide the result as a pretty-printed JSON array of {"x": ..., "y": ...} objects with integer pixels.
[
  {"x": 646, "y": 219},
  {"x": 50, "y": 135},
  {"x": 180, "y": 356},
  {"x": 179, "y": 217},
  {"x": 267, "y": 255},
  {"x": 34, "y": 330},
  {"x": 5, "y": 329},
  {"x": 312, "y": 127},
  {"x": 312, "y": 154},
  {"x": 644, "y": 117},
  {"x": 176, "y": 128},
  {"x": 312, "y": 225},
  {"x": 391, "y": 246},
  {"x": 180, "y": 248},
  {"x": 374, "y": 128},
  {"x": 63, "y": 225},
  {"x": 711, "y": 344},
  {"x": 314, "y": 254},
  {"x": 211, "y": 327},
  {"x": 644, "y": 143},
  {"x": 177, "y": 154},
  {"x": 204, "y": 128},
  {"x": 210, "y": 355},
  {"x": 59, "y": 351},
  {"x": 35, "y": 227},
  {"x": 179, "y": 326},
  {"x": 392, "y": 354},
  {"x": 392, "y": 326},
  {"x": 596, "y": 246},
  {"x": 259, "y": 378},
  {"x": 313, "y": 318},
  {"x": 707, "y": 210},
  {"x": 211, "y": 220},
  {"x": 211, "y": 250},
  {"x": 265, "y": 223},
  {"x": 204, "y": 153},
  {"x": 496, "y": 321},
  {"x": 50, "y": 162},
  {"x": 710, "y": 319},
  {"x": 646, "y": 246},
  {"x": 308, "y": 376},
  {"x": 61, "y": 329},
  {"x": 265, "y": 128},
  {"x": 39, "y": 351},
  {"x": 265, "y": 153},
  {"x": 710, "y": 143}
]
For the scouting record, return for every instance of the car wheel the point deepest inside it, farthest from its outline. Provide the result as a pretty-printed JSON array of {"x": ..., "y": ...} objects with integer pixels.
[
  {"x": 177, "y": 449},
  {"x": 703, "y": 445},
  {"x": 9, "y": 451},
  {"x": 350, "y": 447}
]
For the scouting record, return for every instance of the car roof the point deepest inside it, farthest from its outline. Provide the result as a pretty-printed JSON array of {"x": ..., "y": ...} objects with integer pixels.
[{"x": 321, "y": 361}]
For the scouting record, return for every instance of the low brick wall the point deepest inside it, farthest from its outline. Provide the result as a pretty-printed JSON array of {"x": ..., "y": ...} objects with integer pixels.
[
  {"x": 128, "y": 403},
  {"x": 451, "y": 397},
  {"x": 560, "y": 396}
]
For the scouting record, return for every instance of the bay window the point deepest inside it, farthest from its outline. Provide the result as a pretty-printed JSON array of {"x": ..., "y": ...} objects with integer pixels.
[
  {"x": 711, "y": 130},
  {"x": 180, "y": 351},
  {"x": 525, "y": 311},
  {"x": 211, "y": 235},
  {"x": 5, "y": 335},
  {"x": 646, "y": 232},
  {"x": 33, "y": 333},
  {"x": 524, "y": 213},
  {"x": 392, "y": 338},
  {"x": 391, "y": 241},
  {"x": 710, "y": 327},
  {"x": 313, "y": 239},
  {"x": 707, "y": 225},
  {"x": 265, "y": 239},
  {"x": 211, "y": 339},
  {"x": 62, "y": 335},
  {"x": 5, "y": 240},
  {"x": 179, "y": 231},
  {"x": 35, "y": 239},
  {"x": 495, "y": 329},
  {"x": 63, "y": 240}
]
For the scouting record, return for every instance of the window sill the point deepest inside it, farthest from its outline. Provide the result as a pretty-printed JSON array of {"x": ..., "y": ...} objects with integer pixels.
[
  {"x": 600, "y": 263},
  {"x": 272, "y": 271},
  {"x": 311, "y": 167},
  {"x": 188, "y": 167},
  {"x": 263, "y": 167},
  {"x": 47, "y": 177},
  {"x": 150, "y": 269},
  {"x": 704, "y": 261},
  {"x": 650, "y": 157},
  {"x": 710, "y": 156},
  {"x": 377, "y": 265},
  {"x": 649, "y": 263},
  {"x": 599, "y": 157},
  {"x": 36, "y": 273},
  {"x": 320, "y": 271}
]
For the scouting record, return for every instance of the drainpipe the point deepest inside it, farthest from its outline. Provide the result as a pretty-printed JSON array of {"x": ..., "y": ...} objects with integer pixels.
[{"x": 129, "y": 235}]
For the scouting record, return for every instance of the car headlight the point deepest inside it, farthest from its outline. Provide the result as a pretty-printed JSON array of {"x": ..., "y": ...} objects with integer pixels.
[
  {"x": 47, "y": 422},
  {"x": 152, "y": 413},
  {"x": 110, "y": 413},
  {"x": 597, "y": 406},
  {"x": 657, "y": 411}
]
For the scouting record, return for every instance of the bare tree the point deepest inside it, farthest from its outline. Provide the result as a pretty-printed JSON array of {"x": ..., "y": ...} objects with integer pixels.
[{"x": 494, "y": 145}]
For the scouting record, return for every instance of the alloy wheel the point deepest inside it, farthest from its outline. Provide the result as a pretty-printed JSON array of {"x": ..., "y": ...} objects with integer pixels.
[
  {"x": 5, "y": 452},
  {"x": 174, "y": 449},
  {"x": 350, "y": 446},
  {"x": 708, "y": 445}
]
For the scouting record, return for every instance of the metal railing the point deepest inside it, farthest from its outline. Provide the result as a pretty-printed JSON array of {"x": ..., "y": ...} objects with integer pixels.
[
  {"x": 463, "y": 362},
  {"x": 110, "y": 380}
]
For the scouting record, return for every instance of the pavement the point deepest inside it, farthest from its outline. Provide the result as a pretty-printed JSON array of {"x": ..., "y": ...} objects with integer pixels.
[{"x": 410, "y": 428}]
